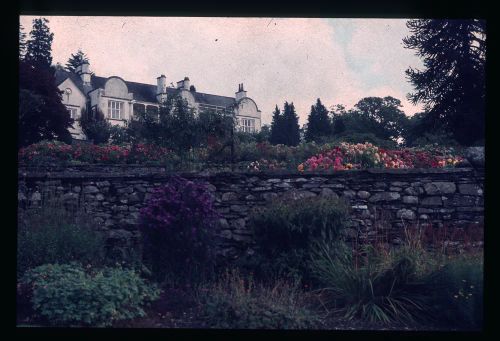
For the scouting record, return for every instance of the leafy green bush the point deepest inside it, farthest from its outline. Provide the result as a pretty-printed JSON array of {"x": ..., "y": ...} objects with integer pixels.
[
  {"x": 375, "y": 286},
  {"x": 238, "y": 302},
  {"x": 69, "y": 295},
  {"x": 284, "y": 231},
  {"x": 52, "y": 233},
  {"x": 456, "y": 292}
]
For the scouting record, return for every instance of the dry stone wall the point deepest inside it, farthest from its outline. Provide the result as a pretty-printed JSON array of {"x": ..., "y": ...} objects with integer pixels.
[{"x": 380, "y": 200}]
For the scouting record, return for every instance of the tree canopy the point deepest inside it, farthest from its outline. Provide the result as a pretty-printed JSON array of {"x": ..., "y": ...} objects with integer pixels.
[
  {"x": 41, "y": 112},
  {"x": 452, "y": 83}
]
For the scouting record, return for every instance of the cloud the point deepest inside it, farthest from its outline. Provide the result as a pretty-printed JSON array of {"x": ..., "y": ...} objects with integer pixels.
[{"x": 278, "y": 59}]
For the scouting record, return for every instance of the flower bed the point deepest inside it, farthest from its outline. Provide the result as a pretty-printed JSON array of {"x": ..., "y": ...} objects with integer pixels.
[
  {"x": 55, "y": 151},
  {"x": 360, "y": 156}
]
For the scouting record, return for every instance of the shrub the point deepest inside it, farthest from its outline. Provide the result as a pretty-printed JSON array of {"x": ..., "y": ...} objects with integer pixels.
[
  {"x": 70, "y": 295},
  {"x": 238, "y": 302},
  {"x": 456, "y": 292},
  {"x": 177, "y": 226},
  {"x": 375, "y": 286},
  {"x": 284, "y": 231},
  {"x": 52, "y": 233}
]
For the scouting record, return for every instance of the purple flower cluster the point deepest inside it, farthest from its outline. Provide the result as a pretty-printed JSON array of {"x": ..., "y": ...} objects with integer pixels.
[
  {"x": 179, "y": 203},
  {"x": 177, "y": 224}
]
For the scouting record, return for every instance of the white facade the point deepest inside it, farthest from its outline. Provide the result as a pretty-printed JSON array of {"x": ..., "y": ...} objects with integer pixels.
[{"x": 117, "y": 102}]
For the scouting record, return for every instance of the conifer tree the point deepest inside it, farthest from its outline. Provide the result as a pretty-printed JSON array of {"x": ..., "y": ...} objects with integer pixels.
[
  {"x": 291, "y": 126},
  {"x": 41, "y": 112},
  {"x": 276, "y": 135},
  {"x": 38, "y": 48},
  {"x": 452, "y": 83},
  {"x": 76, "y": 60},
  {"x": 318, "y": 123}
]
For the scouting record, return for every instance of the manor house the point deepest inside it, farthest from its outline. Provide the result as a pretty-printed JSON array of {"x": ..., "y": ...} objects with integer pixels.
[{"x": 119, "y": 100}]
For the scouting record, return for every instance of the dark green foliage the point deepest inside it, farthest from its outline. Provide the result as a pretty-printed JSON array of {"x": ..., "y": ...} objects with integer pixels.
[
  {"x": 71, "y": 295},
  {"x": 42, "y": 116},
  {"x": 456, "y": 293},
  {"x": 178, "y": 128},
  {"x": 22, "y": 42},
  {"x": 277, "y": 133},
  {"x": 373, "y": 286},
  {"x": 285, "y": 126},
  {"x": 452, "y": 85},
  {"x": 238, "y": 302},
  {"x": 354, "y": 137},
  {"x": 55, "y": 234},
  {"x": 76, "y": 60},
  {"x": 39, "y": 46},
  {"x": 119, "y": 135},
  {"x": 291, "y": 125},
  {"x": 95, "y": 127},
  {"x": 318, "y": 123},
  {"x": 420, "y": 132},
  {"x": 285, "y": 229}
]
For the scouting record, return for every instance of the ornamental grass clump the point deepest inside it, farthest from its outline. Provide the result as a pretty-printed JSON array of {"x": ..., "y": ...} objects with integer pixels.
[
  {"x": 53, "y": 233},
  {"x": 177, "y": 226},
  {"x": 373, "y": 286}
]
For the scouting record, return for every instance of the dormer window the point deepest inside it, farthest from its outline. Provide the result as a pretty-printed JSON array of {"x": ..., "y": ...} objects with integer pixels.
[{"x": 115, "y": 110}]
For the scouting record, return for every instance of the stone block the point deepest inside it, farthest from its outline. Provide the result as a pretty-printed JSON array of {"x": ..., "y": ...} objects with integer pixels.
[
  {"x": 410, "y": 199},
  {"x": 406, "y": 214},
  {"x": 90, "y": 189},
  {"x": 431, "y": 201},
  {"x": 470, "y": 189},
  {"x": 440, "y": 187},
  {"x": 385, "y": 196},
  {"x": 363, "y": 194}
]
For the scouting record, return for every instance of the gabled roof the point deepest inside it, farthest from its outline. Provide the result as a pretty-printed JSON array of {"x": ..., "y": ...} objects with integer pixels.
[{"x": 142, "y": 92}]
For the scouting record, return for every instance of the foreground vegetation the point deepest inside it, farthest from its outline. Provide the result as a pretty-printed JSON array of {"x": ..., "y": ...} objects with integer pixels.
[{"x": 305, "y": 273}]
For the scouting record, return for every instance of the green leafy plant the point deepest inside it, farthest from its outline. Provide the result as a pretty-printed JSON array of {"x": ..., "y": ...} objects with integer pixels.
[
  {"x": 284, "y": 231},
  {"x": 71, "y": 295},
  {"x": 52, "y": 233},
  {"x": 239, "y": 302}
]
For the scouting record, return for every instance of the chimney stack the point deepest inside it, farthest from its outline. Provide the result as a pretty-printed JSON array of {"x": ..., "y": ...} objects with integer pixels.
[
  {"x": 183, "y": 84},
  {"x": 83, "y": 70},
  {"x": 161, "y": 88},
  {"x": 241, "y": 92}
]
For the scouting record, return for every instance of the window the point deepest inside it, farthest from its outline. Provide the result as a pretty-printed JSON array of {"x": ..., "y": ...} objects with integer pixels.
[
  {"x": 115, "y": 110},
  {"x": 247, "y": 125},
  {"x": 72, "y": 112}
]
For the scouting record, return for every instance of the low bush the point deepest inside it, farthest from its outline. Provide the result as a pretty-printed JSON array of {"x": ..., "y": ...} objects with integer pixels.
[
  {"x": 238, "y": 302},
  {"x": 456, "y": 292},
  {"x": 284, "y": 231},
  {"x": 52, "y": 233},
  {"x": 177, "y": 225},
  {"x": 374, "y": 286},
  {"x": 71, "y": 295}
]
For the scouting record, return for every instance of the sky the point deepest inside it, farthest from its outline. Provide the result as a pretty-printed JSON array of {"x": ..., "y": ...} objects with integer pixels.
[{"x": 297, "y": 60}]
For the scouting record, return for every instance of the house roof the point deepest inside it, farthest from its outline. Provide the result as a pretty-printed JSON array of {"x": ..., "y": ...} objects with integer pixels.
[{"x": 142, "y": 92}]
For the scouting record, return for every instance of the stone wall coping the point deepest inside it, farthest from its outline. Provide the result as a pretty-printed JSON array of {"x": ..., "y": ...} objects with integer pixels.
[{"x": 138, "y": 171}]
